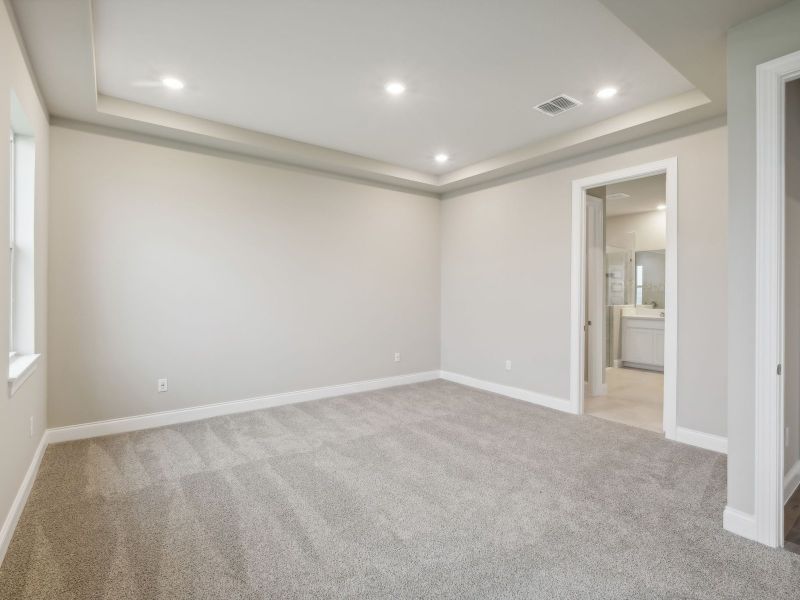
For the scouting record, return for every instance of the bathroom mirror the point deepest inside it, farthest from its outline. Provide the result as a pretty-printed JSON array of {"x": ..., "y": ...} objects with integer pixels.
[{"x": 650, "y": 275}]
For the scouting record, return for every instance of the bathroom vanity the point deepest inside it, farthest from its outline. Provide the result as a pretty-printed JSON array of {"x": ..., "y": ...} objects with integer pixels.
[{"x": 642, "y": 338}]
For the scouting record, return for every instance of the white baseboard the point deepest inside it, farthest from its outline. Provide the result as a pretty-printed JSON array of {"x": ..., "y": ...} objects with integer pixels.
[
  {"x": 14, "y": 513},
  {"x": 791, "y": 481},
  {"x": 171, "y": 417},
  {"x": 709, "y": 441},
  {"x": 512, "y": 392},
  {"x": 740, "y": 523}
]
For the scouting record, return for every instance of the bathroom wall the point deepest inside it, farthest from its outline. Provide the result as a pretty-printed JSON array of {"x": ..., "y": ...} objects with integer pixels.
[{"x": 650, "y": 228}]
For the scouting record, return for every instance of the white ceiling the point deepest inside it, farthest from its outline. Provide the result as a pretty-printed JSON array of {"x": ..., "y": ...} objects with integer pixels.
[
  {"x": 645, "y": 194},
  {"x": 302, "y": 81},
  {"x": 314, "y": 70}
]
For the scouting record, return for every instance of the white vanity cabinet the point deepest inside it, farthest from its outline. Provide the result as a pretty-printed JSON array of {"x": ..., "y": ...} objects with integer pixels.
[{"x": 643, "y": 342}]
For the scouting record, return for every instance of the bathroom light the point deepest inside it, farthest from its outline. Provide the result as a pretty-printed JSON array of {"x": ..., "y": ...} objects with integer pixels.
[
  {"x": 395, "y": 88},
  {"x": 172, "y": 83},
  {"x": 661, "y": 206},
  {"x": 606, "y": 93},
  {"x": 441, "y": 158}
]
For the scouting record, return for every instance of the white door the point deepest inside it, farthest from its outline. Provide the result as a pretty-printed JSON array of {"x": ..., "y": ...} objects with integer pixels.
[{"x": 596, "y": 299}]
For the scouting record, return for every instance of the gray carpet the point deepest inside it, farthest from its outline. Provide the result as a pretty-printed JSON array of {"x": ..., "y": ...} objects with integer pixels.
[{"x": 425, "y": 491}]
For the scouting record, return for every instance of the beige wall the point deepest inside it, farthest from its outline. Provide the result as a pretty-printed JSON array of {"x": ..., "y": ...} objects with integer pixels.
[
  {"x": 17, "y": 445},
  {"x": 792, "y": 262},
  {"x": 506, "y": 276},
  {"x": 768, "y": 36},
  {"x": 229, "y": 278},
  {"x": 650, "y": 228}
]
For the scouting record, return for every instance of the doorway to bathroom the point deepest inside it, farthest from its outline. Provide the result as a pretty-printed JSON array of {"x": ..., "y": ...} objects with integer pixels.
[
  {"x": 624, "y": 296},
  {"x": 626, "y": 243}
]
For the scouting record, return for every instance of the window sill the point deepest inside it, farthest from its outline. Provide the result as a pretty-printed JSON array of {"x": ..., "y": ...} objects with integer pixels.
[{"x": 20, "y": 367}]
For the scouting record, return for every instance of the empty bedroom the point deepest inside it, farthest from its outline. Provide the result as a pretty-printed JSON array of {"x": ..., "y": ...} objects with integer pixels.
[{"x": 378, "y": 299}]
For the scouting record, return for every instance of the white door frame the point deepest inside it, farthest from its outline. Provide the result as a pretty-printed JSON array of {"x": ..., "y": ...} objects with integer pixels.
[
  {"x": 771, "y": 79},
  {"x": 668, "y": 167},
  {"x": 596, "y": 282}
]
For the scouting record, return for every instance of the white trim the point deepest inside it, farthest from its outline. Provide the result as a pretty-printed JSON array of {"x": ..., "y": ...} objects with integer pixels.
[
  {"x": 14, "y": 513},
  {"x": 740, "y": 523},
  {"x": 709, "y": 441},
  {"x": 771, "y": 78},
  {"x": 791, "y": 481},
  {"x": 171, "y": 417},
  {"x": 20, "y": 367},
  {"x": 596, "y": 283},
  {"x": 669, "y": 167},
  {"x": 561, "y": 404}
]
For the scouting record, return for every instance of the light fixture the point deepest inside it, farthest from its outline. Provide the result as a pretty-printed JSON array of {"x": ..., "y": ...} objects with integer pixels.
[
  {"x": 172, "y": 83},
  {"x": 661, "y": 207},
  {"x": 395, "y": 88},
  {"x": 441, "y": 158},
  {"x": 606, "y": 93}
]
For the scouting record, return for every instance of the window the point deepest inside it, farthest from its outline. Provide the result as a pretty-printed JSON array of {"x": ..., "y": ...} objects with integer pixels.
[
  {"x": 639, "y": 284},
  {"x": 22, "y": 356},
  {"x": 12, "y": 198}
]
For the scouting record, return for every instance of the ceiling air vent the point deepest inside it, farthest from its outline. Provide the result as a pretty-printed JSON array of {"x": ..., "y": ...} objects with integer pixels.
[{"x": 556, "y": 106}]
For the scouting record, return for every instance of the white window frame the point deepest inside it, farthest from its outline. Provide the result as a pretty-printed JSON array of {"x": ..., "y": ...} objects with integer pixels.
[
  {"x": 22, "y": 355},
  {"x": 12, "y": 194}
]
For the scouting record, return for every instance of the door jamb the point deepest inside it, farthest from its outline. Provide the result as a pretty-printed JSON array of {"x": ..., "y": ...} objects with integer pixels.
[
  {"x": 771, "y": 80},
  {"x": 595, "y": 320},
  {"x": 668, "y": 167}
]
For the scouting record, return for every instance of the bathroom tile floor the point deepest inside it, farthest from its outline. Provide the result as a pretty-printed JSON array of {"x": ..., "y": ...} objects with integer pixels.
[{"x": 635, "y": 397}]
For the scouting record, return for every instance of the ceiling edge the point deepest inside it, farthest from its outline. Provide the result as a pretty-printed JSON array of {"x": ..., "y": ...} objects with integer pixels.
[
  {"x": 217, "y": 151},
  {"x": 645, "y": 137},
  {"x": 12, "y": 18},
  {"x": 131, "y": 118},
  {"x": 246, "y": 141},
  {"x": 577, "y": 141}
]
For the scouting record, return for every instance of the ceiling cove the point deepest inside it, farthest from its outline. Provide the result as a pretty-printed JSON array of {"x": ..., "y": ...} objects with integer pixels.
[{"x": 441, "y": 133}]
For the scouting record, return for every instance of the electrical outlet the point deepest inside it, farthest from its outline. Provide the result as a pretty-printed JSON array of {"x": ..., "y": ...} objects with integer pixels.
[
  {"x": 31, "y": 433},
  {"x": 162, "y": 385},
  {"x": 396, "y": 357},
  {"x": 508, "y": 365}
]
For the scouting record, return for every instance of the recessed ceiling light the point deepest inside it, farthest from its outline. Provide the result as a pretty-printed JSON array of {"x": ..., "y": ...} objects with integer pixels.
[
  {"x": 441, "y": 158},
  {"x": 172, "y": 83},
  {"x": 395, "y": 88},
  {"x": 606, "y": 93},
  {"x": 661, "y": 207}
]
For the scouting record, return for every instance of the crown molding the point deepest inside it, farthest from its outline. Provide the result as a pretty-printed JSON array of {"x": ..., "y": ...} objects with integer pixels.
[{"x": 113, "y": 114}]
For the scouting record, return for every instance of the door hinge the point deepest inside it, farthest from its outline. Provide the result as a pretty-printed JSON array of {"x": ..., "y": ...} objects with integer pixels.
[{"x": 779, "y": 369}]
